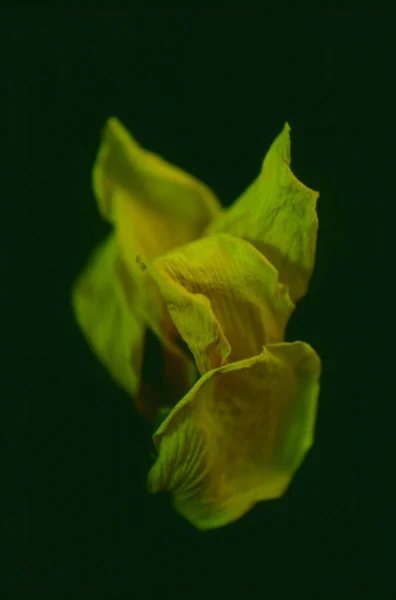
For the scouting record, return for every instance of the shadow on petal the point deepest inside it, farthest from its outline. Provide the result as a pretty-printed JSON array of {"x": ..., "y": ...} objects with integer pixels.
[
  {"x": 239, "y": 435},
  {"x": 166, "y": 377}
]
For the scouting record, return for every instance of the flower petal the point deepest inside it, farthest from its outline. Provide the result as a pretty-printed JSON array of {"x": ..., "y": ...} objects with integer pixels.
[
  {"x": 168, "y": 206},
  {"x": 154, "y": 207},
  {"x": 277, "y": 214},
  {"x": 239, "y": 435},
  {"x": 223, "y": 297},
  {"x": 113, "y": 306},
  {"x": 114, "y": 332}
]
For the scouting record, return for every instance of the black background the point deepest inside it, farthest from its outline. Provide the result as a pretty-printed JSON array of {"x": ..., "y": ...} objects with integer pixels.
[{"x": 208, "y": 90}]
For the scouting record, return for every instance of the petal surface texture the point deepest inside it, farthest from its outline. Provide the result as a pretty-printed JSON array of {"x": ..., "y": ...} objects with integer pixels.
[
  {"x": 239, "y": 435},
  {"x": 224, "y": 298},
  {"x": 277, "y": 214}
]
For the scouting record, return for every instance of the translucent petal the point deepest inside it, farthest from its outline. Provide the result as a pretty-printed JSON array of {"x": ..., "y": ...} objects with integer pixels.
[
  {"x": 277, "y": 214},
  {"x": 239, "y": 435}
]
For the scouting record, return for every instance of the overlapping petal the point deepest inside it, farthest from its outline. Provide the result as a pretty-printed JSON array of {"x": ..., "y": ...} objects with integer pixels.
[
  {"x": 239, "y": 435},
  {"x": 277, "y": 214},
  {"x": 222, "y": 283},
  {"x": 153, "y": 207},
  {"x": 224, "y": 298}
]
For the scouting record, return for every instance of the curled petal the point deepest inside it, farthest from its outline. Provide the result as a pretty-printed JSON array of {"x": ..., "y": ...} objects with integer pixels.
[
  {"x": 224, "y": 298},
  {"x": 277, "y": 214},
  {"x": 239, "y": 435},
  {"x": 167, "y": 206}
]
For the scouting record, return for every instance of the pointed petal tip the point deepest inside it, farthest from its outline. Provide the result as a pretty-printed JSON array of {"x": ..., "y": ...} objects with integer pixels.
[
  {"x": 108, "y": 124},
  {"x": 282, "y": 145},
  {"x": 112, "y": 122},
  {"x": 114, "y": 127},
  {"x": 286, "y": 156}
]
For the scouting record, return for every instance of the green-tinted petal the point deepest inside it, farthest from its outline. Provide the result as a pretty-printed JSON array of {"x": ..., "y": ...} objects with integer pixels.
[
  {"x": 168, "y": 207},
  {"x": 224, "y": 298},
  {"x": 277, "y": 214},
  {"x": 153, "y": 207},
  {"x": 239, "y": 435},
  {"x": 114, "y": 306},
  {"x": 114, "y": 332}
]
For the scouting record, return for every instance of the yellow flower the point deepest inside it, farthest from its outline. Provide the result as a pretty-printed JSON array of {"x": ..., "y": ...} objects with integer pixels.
[{"x": 216, "y": 287}]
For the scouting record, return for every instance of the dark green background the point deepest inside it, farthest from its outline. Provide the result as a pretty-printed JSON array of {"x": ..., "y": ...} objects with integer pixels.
[{"x": 208, "y": 90}]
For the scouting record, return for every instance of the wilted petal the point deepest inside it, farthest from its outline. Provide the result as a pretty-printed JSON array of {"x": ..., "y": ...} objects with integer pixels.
[
  {"x": 223, "y": 297},
  {"x": 153, "y": 207},
  {"x": 168, "y": 207},
  {"x": 277, "y": 214},
  {"x": 239, "y": 435},
  {"x": 114, "y": 305}
]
